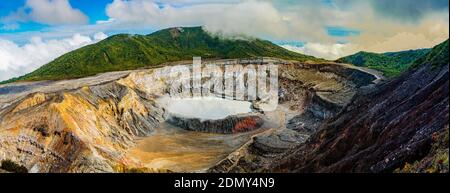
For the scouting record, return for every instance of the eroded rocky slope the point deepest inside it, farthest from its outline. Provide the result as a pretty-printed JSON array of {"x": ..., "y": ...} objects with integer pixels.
[
  {"x": 309, "y": 95},
  {"x": 88, "y": 125},
  {"x": 398, "y": 125},
  {"x": 229, "y": 125},
  {"x": 76, "y": 131},
  {"x": 385, "y": 127}
]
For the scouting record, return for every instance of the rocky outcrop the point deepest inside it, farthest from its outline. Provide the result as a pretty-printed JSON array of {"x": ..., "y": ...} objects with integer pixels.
[
  {"x": 437, "y": 159},
  {"x": 229, "y": 125},
  {"x": 355, "y": 75},
  {"x": 306, "y": 111},
  {"x": 313, "y": 116},
  {"x": 277, "y": 142},
  {"x": 395, "y": 125},
  {"x": 384, "y": 127},
  {"x": 260, "y": 151},
  {"x": 88, "y": 124},
  {"x": 83, "y": 130}
]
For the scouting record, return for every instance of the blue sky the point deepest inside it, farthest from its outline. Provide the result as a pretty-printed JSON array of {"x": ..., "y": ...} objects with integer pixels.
[
  {"x": 95, "y": 10},
  {"x": 34, "y": 32}
]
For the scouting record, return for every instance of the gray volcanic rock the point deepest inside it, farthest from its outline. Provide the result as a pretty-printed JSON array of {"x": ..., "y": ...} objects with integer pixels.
[
  {"x": 81, "y": 130},
  {"x": 315, "y": 113},
  {"x": 358, "y": 76},
  {"x": 229, "y": 125},
  {"x": 89, "y": 124},
  {"x": 304, "y": 111},
  {"x": 278, "y": 141},
  {"x": 383, "y": 128}
]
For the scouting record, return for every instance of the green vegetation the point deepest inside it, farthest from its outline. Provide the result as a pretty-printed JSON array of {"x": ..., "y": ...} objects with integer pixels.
[
  {"x": 11, "y": 166},
  {"x": 391, "y": 64},
  {"x": 436, "y": 57},
  {"x": 436, "y": 161},
  {"x": 10, "y": 80},
  {"x": 394, "y": 63},
  {"x": 126, "y": 52}
]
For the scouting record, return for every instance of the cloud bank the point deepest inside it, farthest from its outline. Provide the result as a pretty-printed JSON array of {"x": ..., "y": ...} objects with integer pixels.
[
  {"x": 254, "y": 18},
  {"x": 49, "y": 12},
  {"x": 381, "y": 25},
  {"x": 18, "y": 60},
  {"x": 326, "y": 51}
]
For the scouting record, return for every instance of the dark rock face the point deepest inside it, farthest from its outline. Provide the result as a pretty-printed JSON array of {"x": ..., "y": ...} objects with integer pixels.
[
  {"x": 277, "y": 142},
  {"x": 358, "y": 77},
  {"x": 253, "y": 156},
  {"x": 229, "y": 125},
  {"x": 315, "y": 113},
  {"x": 436, "y": 161},
  {"x": 310, "y": 111},
  {"x": 384, "y": 127}
]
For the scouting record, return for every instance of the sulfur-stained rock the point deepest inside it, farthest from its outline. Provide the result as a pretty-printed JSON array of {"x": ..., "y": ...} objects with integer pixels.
[
  {"x": 89, "y": 124},
  {"x": 383, "y": 128},
  {"x": 229, "y": 125}
]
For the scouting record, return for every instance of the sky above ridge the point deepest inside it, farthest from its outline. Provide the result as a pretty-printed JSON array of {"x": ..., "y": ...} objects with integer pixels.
[{"x": 34, "y": 32}]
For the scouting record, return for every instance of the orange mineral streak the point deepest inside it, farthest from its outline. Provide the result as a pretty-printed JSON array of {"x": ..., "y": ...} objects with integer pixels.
[
  {"x": 36, "y": 99},
  {"x": 93, "y": 125},
  {"x": 248, "y": 124}
]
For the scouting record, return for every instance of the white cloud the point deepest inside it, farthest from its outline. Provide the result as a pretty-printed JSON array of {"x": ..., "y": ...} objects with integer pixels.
[
  {"x": 249, "y": 17},
  {"x": 100, "y": 36},
  {"x": 381, "y": 35},
  {"x": 51, "y": 12},
  {"x": 326, "y": 51},
  {"x": 279, "y": 21},
  {"x": 16, "y": 60},
  {"x": 110, "y": 20},
  {"x": 55, "y": 12},
  {"x": 303, "y": 21}
]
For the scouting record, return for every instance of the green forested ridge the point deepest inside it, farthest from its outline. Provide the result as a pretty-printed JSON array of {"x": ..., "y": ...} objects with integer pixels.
[
  {"x": 125, "y": 52},
  {"x": 436, "y": 57},
  {"x": 390, "y": 63}
]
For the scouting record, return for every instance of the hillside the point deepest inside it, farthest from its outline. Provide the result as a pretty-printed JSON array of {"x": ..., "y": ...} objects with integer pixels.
[
  {"x": 125, "y": 52},
  {"x": 390, "y": 63},
  {"x": 118, "y": 121},
  {"x": 436, "y": 57},
  {"x": 386, "y": 127}
]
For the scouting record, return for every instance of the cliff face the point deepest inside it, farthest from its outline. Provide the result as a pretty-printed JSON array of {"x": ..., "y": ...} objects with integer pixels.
[
  {"x": 384, "y": 127},
  {"x": 84, "y": 130},
  {"x": 90, "y": 124},
  {"x": 229, "y": 125},
  {"x": 309, "y": 95},
  {"x": 399, "y": 125}
]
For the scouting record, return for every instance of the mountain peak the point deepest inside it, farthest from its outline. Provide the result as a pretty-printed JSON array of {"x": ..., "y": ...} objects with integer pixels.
[
  {"x": 127, "y": 52},
  {"x": 179, "y": 30}
]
